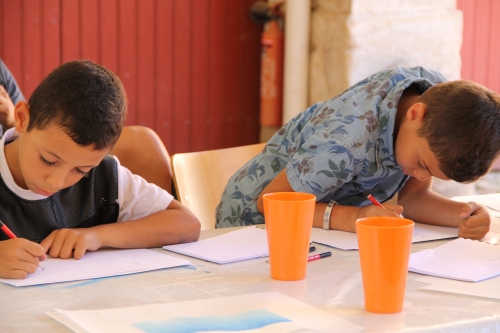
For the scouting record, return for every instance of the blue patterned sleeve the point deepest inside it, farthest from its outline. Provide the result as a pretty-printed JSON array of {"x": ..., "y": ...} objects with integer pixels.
[
  {"x": 9, "y": 82},
  {"x": 321, "y": 165}
]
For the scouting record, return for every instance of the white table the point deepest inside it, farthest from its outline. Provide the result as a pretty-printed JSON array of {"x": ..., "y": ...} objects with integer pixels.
[{"x": 332, "y": 284}]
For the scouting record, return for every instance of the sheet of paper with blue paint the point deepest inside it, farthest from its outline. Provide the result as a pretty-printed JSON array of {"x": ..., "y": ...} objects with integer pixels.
[{"x": 256, "y": 312}]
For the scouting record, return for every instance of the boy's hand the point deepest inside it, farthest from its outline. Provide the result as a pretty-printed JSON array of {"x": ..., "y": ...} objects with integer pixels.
[
  {"x": 6, "y": 109},
  {"x": 390, "y": 210},
  {"x": 19, "y": 257},
  {"x": 67, "y": 243},
  {"x": 475, "y": 221}
]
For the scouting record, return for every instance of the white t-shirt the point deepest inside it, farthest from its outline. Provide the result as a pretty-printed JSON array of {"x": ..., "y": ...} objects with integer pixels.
[{"x": 136, "y": 197}]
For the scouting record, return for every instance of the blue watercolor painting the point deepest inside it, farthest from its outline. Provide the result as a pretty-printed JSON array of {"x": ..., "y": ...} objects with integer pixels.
[{"x": 247, "y": 320}]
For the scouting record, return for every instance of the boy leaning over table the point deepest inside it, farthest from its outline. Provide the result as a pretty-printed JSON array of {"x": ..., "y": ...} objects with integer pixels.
[
  {"x": 60, "y": 191},
  {"x": 390, "y": 133}
]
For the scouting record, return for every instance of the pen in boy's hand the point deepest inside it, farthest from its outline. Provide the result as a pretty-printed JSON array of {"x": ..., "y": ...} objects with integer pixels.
[
  {"x": 372, "y": 199},
  {"x": 375, "y": 201},
  {"x": 11, "y": 235},
  {"x": 319, "y": 256},
  {"x": 7, "y": 231}
]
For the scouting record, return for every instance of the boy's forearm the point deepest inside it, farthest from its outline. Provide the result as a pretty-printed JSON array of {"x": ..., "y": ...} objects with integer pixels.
[
  {"x": 426, "y": 206},
  {"x": 341, "y": 217},
  {"x": 171, "y": 226}
]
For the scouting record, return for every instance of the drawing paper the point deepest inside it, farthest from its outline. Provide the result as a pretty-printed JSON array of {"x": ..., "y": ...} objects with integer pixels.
[
  {"x": 460, "y": 259},
  {"x": 487, "y": 288},
  {"x": 269, "y": 312},
  {"x": 241, "y": 244},
  {"x": 97, "y": 264},
  {"x": 349, "y": 241}
]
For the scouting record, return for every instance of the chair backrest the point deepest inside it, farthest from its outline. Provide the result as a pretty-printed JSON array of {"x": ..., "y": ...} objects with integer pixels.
[{"x": 200, "y": 178}]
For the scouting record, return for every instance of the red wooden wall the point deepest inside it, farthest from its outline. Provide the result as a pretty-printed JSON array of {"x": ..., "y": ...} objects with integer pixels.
[
  {"x": 481, "y": 46},
  {"x": 190, "y": 67}
]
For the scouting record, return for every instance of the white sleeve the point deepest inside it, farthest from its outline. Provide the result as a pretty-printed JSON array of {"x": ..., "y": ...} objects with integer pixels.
[{"x": 136, "y": 197}]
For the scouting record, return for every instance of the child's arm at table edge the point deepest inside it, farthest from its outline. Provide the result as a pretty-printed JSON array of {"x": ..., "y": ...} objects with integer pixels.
[
  {"x": 341, "y": 217},
  {"x": 174, "y": 225},
  {"x": 421, "y": 204}
]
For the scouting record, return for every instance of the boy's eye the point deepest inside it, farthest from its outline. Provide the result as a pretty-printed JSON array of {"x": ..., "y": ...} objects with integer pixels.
[
  {"x": 82, "y": 173},
  {"x": 44, "y": 161}
]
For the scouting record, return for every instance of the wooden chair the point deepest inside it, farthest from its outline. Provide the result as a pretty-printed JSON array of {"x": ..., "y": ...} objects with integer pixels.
[{"x": 200, "y": 178}]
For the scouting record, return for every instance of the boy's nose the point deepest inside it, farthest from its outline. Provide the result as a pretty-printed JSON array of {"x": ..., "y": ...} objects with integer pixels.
[{"x": 55, "y": 182}]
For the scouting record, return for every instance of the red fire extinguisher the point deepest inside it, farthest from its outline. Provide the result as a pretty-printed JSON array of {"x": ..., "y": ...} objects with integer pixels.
[{"x": 272, "y": 58}]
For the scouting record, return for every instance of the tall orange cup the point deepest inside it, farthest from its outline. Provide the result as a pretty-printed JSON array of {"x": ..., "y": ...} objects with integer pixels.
[
  {"x": 289, "y": 218},
  {"x": 384, "y": 252}
]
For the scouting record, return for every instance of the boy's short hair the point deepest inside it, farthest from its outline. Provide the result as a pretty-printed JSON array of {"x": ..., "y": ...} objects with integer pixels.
[
  {"x": 86, "y": 99},
  {"x": 462, "y": 128}
]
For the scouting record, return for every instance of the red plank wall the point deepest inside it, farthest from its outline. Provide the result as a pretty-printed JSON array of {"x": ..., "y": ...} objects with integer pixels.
[
  {"x": 190, "y": 67},
  {"x": 481, "y": 48}
]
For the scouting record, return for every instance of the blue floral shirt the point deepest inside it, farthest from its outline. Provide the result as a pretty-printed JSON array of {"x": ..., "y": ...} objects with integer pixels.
[{"x": 334, "y": 150}]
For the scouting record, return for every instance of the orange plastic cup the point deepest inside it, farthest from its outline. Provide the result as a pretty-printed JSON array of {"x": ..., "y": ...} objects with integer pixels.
[
  {"x": 289, "y": 219},
  {"x": 384, "y": 252}
]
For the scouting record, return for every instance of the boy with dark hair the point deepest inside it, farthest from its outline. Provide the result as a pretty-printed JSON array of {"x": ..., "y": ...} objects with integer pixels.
[
  {"x": 59, "y": 186},
  {"x": 389, "y": 133},
  {"x": 138, "y": 148}
]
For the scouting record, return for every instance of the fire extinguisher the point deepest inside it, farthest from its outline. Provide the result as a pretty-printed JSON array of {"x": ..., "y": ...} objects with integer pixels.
[{"x": 272, "y": 58}]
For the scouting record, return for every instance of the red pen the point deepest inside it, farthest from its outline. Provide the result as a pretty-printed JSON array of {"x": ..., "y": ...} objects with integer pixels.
[
  {"x": 319, "y": 256},
  {"x": 375, "y": 201},
  {"x": 7, "y": 231},
  {"x": 11, "y": 235},
  {"x": 372, "y": 199}
]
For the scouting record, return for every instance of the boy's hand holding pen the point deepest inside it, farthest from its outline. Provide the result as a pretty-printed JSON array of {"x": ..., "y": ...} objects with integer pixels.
[
  {"x": 18, "y": 256},
  {"x": 397, "y": 209}
]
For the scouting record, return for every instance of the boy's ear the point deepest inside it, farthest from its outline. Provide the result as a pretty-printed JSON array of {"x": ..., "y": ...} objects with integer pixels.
[
  {"x": 416, "y": 112},
  {"x": 21, "y": 117}
]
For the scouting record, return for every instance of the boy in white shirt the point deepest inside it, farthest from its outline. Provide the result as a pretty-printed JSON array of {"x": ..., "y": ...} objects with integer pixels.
[{"x": 59, "y": 186}]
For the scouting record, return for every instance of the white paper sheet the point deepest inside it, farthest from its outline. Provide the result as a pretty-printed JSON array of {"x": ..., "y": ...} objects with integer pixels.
[
  {"x": 241, "y": 244},
  {"x": 460, "y": 259},
  {"x": 98, "y": 264},
  {"x": 349, "y": 241},
  {"x": 488, "y": 288},
  {"x": 270, "y": 312}
]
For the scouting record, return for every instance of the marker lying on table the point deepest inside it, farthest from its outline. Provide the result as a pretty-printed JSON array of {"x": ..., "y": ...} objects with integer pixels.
[
  {"x": 11, "y": 235},
  {"x": 319, "y": 256}
]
